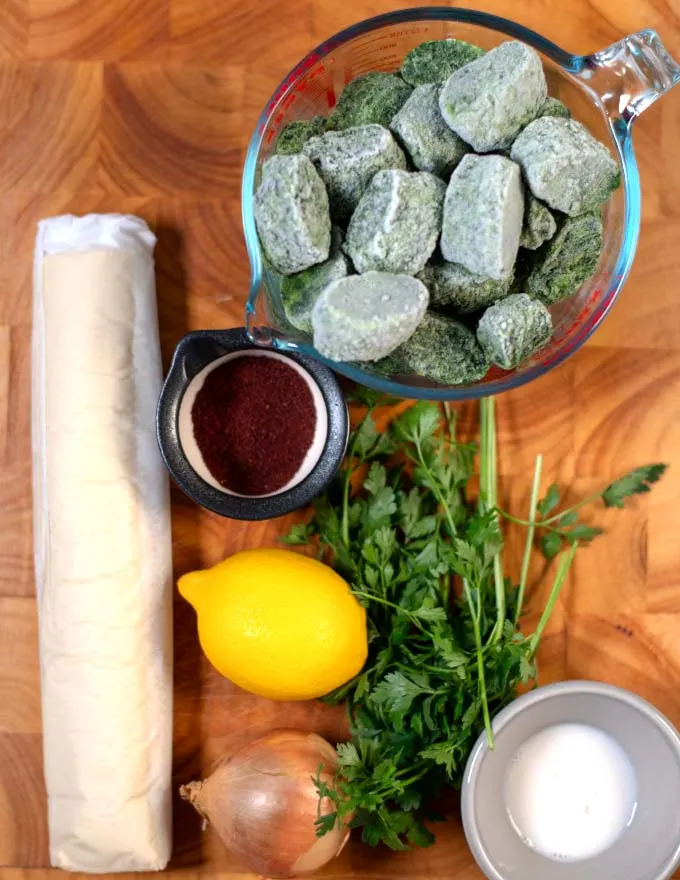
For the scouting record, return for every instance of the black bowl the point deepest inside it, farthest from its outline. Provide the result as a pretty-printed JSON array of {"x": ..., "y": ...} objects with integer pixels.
[{"x": 193, "y": 353}]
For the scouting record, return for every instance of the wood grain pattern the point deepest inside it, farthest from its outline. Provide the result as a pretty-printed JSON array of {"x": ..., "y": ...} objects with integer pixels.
[
  {"x": 172, "y": 129},
  {"x": 111, "y": 31},
  {"x": 51, "y": 115},
  {"x": 19, "y": 678},
  {"x": 13, "y": 29},
  {"x": 261, "y": 35},
  {"x": 146, "y": 106}
]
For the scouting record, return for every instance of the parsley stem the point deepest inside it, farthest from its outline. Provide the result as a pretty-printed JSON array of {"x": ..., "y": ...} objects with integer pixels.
[
  {"x": 348, "y": 480},
  {"x": 345, "y": 499},
  {"x": 556, "y": 516},
  {"x": 434, "y": 485},
  {"x": 479, "y": 650},
  {"x": 345, "y": 494},
  {"x": 488, "y": 479},
  {"x": 451, "y": 418},
  {"x": 585, "y": 501},
  {"x": 516, "y": 519},
  {"x": 445, "y": 586},
  {"x": 373, "y": 598},
  {"x": 440, "y": 670},
  {"x": 482, "y": 682},
  {"x": 563, "y": 566},
  {"x": 411, "y": 779},
  {"x": 528, "y": 546},
  {"x": 436, "y": 490}
]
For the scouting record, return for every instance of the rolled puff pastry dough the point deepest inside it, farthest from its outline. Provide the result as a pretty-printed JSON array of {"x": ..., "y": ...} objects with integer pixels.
[{"x": 102, "y": 546}]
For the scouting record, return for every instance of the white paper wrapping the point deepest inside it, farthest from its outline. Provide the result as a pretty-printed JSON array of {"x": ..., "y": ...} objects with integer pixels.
[{"x": 102, "y": 545}]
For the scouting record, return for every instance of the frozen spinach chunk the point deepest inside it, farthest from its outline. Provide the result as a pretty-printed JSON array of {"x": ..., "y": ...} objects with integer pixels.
[
  {"x": 443, "y": 350},
  {"x": 565, "y": 166},
  {"x": 347, "y": 160},
  {"x": 483, "y": 213},
  {"x": 421, "y": 130},
  {"x": 512, "y": 330},
  {"x": 397, "y": 223},
  {"x": 489, "y": 101},
  {"x": 453, "y": 287},
  {"x": 435, "y": 60},
  {"x": 371, "y": 99},
  {"x": 539, "y": 224},
  {"x": 300, "y": 292},
  {"x": 365, "y": 317},
  {"x": 386, "y": 367},
  {"x": 291, "y": 214},
  {"x": 555, "y": 107},
  {"x": 559, "y": 268},
  {"x": 296, "y": 134}
]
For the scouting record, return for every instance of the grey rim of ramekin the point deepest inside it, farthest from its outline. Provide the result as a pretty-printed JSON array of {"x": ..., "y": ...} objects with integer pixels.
[
  {"x": 193, "y": 353},
  {"x": 521, "y": 704}
]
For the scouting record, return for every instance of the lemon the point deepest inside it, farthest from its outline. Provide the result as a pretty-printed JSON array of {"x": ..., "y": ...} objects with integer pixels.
[{"x": 278, "y": 624}]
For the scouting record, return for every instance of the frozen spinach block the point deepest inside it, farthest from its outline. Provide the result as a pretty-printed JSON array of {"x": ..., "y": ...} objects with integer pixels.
[
  {"x": 386, "y": 367},
  {"x": 365, "y": 317},
  {"x": 561, "y": 266},
  {"x": 512, "y": 330},
  {"x": 483, "y": 213},
  {"x": 347, "y": 160},
  {"x": 435, "y": 60},
  {"x": 291, "y": 214},
  {"x": 397, "y": 222},
  {"x": 443, "y": 350},
  {"x": 565, "y": 166},
  {"x": 489, "y": 101},
  {"x": 371, "y": 99},
  {"x": 453, "y": 286},
  {"x": 296, "y": 134},
  {"x": 555, "y": 107},
  {"x": 539, "y": 224},
  {"x": 420, "y": 129},
  {"x": 300, "y": 292}
]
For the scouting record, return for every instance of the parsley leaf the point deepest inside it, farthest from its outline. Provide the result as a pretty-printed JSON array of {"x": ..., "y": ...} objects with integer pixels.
[
  {"x": 552, "y": 498},
  {"x": 381, "y": 506},
  {"x": 376, "y": 479},
  {"x": 635, "y": 483},
  {"x": 298, "y": 534},
  {"x": 551, "y": 544},
  {"x": 422, "y": 528},
  {"x": 366, "y": 436},
  {"x": 583, "y": 533},
  {"x": 396, "y": 692},
  {"x": 324, "y": 824}
]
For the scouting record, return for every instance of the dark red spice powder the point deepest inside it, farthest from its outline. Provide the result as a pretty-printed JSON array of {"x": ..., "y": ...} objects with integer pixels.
[{"x": 254, "y": 420}]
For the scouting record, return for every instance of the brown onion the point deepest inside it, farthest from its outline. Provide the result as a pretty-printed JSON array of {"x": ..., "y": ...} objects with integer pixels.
[{"x": 263, "y": 804}]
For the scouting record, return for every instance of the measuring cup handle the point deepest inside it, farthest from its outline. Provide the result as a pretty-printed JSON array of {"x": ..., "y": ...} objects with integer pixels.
[
  {"x": 266, "y": 323},
  {"x": 630, "y": 75}
]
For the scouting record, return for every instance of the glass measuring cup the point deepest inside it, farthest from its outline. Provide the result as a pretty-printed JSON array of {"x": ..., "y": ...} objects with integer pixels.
[{"x": 606, "y": 91}]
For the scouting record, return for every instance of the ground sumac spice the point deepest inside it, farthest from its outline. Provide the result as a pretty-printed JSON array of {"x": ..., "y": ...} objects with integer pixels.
[{"x": 254, "y": 420}]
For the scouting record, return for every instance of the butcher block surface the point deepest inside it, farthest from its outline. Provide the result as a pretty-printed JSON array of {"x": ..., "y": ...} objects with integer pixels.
[{"x": 146, "y": 107}]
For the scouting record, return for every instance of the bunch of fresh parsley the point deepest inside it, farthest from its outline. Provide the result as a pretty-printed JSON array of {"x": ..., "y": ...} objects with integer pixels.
[{"x": 445, "y": 651}]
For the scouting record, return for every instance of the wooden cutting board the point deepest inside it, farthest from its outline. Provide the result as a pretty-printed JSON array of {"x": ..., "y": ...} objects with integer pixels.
[{"x": 145, "y": 106}]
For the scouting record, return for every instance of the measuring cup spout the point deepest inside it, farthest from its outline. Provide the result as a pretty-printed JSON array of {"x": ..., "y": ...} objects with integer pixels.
[{"x": 629, "y": 75}]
